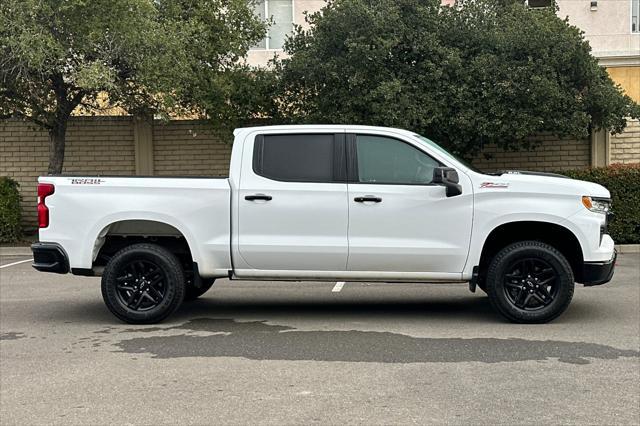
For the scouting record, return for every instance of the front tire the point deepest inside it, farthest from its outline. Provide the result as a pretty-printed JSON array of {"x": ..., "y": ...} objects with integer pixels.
[
  {"x": 143, "y": 284},
  {"x": 530, "y": 282}
]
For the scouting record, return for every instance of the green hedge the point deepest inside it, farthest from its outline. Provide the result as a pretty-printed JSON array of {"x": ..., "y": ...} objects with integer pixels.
[
  {"x": 623, "y": 181},
  {"x": 9, "y": 211}
]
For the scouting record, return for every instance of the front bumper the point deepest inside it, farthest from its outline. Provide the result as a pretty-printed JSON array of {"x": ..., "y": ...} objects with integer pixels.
[
  {"x": 597, "y": 273},
  {"x": 50, "y": 257}
]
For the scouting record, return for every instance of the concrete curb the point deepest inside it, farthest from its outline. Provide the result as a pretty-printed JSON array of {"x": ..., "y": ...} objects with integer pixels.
[
  {"x": 628, "y": 248},
  {"x": 15, "y": 251}
]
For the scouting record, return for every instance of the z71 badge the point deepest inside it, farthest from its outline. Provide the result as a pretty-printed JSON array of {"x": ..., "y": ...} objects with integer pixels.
[
  {"x": 86, "y": 181},
  {"x": 491, "y": 185}
]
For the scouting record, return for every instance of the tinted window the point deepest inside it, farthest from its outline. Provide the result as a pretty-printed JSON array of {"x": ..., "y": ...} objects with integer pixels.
[
  {"x": 388, "y": 160},
  {"x": 300, "y": 158}
]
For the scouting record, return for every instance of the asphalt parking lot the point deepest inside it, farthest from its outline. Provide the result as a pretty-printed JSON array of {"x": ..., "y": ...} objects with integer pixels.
[{"x": 300, "y": 353}]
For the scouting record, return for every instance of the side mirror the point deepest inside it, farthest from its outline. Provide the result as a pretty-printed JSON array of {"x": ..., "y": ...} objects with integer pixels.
[{"x": 447, "y": 177}]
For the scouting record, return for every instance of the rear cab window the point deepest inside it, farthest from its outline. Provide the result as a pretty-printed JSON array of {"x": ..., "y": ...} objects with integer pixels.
[{"x": 300, "y": 157}]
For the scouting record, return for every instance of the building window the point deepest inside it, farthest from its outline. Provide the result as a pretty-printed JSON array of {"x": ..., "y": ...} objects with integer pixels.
[
  {"x": 539, "y": 3},
  {"x": 635, "y": 16},
  {"x": 281, "y": 14}
]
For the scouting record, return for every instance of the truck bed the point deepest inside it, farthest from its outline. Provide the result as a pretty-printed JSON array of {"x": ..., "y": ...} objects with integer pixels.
[{"x": 84, "y": 209}]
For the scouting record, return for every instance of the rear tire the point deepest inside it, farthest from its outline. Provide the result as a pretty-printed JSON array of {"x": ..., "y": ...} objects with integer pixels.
[
  {"x": 143, "y": 284},
  {"x": 530, "y": 282}
]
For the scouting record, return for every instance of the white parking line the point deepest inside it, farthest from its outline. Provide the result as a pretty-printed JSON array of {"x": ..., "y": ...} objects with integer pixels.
[
  {"x": 15, "y": 263},
  {"x": 338, "y": 287}
]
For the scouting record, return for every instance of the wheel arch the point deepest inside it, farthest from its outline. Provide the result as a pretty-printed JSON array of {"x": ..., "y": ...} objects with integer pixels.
[
  {"x": 554, "y": 234},
  {"x": 136, "y": 228}
]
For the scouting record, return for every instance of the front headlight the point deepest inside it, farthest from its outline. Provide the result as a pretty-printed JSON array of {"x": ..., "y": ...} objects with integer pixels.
[{"x": 597, "y": 204}]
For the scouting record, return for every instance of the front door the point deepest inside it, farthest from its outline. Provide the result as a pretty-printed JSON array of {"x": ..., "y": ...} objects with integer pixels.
[
  {"x": 398, "y": 220},
  {"x": 292, "y": 204}
]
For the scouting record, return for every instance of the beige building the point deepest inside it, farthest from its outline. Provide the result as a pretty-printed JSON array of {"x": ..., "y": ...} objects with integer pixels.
[
  {"x": 613, "y": 30},
  {"x": 611, "y": 26}
]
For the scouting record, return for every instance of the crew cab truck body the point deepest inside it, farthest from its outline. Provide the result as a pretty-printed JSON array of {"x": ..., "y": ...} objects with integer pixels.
[{"x": 324, "y": 202}]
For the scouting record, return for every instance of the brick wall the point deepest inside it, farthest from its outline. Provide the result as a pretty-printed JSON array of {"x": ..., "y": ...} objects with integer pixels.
[
  {"x": 189, "y": 148},
  {"x": 625, "y": 147},
  {"x": 94, "y": 145},
  {"x": 550, "y": 155}
]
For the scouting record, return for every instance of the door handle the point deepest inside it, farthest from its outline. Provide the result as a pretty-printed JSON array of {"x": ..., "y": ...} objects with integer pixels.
[
  {"x": 366, "y": 198},
  {"x": 258, "y": 197}
]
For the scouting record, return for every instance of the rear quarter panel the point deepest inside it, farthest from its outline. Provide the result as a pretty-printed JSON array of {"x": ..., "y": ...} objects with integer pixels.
[{"x": 82, "y": 208}]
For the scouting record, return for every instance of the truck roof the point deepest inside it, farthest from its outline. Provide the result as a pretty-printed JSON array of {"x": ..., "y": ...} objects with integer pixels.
[{"x": 341, "y": 127}]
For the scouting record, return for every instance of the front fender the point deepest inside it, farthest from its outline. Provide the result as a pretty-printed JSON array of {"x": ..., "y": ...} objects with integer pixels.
[{"x": 482, "y": 232}]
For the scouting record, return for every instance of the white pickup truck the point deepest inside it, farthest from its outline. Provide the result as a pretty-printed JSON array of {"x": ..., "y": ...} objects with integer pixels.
[{"x": 349, "y": 203}]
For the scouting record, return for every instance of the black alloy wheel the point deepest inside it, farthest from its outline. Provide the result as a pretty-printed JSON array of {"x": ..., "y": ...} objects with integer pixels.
[
  {"x": 141, "y": 285},
  {"x": 530, "y": 284}
]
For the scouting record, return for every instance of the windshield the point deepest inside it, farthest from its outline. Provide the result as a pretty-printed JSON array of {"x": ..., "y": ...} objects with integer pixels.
[{"x": 444, "y": 152}]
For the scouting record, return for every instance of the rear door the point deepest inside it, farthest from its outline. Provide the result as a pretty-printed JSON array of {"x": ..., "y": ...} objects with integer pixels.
[
  {"x": 398, "y": 220},
  {"x": 293, "y": 207}
]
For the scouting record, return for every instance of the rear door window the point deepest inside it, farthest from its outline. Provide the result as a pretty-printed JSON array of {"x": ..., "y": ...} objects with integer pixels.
[{"x": 300, "y": 157}]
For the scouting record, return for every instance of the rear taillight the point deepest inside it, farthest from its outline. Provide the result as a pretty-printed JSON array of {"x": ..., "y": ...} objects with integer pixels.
[{"x": 44, "y": 190}]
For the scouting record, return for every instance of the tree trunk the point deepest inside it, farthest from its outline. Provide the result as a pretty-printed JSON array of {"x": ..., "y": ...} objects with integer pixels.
[{"x": 57, "y": 136}]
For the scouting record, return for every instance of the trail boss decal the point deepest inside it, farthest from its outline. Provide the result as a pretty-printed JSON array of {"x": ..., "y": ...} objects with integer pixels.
[
  {"x": 492, "y": 185},
  {"x": 86, "y": 181}
]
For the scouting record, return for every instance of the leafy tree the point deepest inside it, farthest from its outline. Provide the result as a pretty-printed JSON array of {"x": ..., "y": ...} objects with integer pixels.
[
  {"x": 481, "y": 72},
  {"x": 248, "y": 97},
  {"x": 148, "y": 56}
]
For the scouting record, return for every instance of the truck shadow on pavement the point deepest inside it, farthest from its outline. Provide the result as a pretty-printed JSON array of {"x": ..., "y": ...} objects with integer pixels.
[
  {"x": 466, "y": 309},
  {"x": 471, "y": 310},
  {"x": 461, "y": 308},
  {"x": 257, "y": 340}
]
